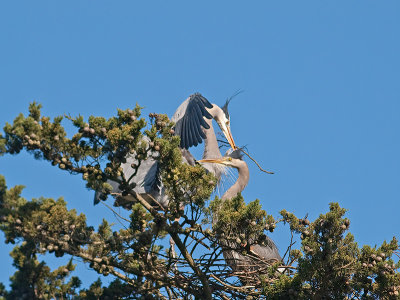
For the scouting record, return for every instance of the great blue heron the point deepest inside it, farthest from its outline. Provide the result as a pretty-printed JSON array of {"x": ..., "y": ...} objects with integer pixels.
[
  {"x": 193, "y": 123},
  {"x": 263, "y": 254}
]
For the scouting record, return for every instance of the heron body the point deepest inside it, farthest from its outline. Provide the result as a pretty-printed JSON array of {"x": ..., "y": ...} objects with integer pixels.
[
  {"x": 267, "y": 253},
  {"x": 147, "y": 179}
]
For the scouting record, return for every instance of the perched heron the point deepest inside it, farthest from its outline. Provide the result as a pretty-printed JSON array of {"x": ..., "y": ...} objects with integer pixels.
[
  {"x": 193, "y": 123},
  {"x": 267, "y": 253}
]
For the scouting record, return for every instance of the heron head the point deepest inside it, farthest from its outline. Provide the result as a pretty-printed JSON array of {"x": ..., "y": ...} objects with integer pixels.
[
  {"x": 223, "y": 120},
  {"x": 231, "y": 159},
  {"x": 224, "y": 123},
  {"x": 238, "y": 153}
]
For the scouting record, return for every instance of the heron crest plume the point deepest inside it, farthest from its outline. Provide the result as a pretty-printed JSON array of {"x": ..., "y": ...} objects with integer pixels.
[{"x": 225, "y": 107}]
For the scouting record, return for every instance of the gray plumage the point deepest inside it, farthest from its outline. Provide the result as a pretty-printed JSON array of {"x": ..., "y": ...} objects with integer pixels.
[
  {"x": 211, "y": 150},
  {"x": 263, "y": 254},
  {"x": 189, "y": 120},
  {"x": 193, "y": 123},
  {"x": 147, "y": 179}
]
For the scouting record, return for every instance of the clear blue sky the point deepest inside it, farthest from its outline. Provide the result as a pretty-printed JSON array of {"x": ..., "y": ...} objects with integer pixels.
[{"x": 320, "y": 106}]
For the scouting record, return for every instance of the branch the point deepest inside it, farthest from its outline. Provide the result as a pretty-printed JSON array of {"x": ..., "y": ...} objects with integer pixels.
[
  {"x": 268, "y": 172},
  {"x": 195, "y": 268},
  {"x": 289, "y": 248},
  {"x": 147, "y": 205},
  {"x": 111, "y": 268},
  {"x": 115, "y": 213},
  {"x": 237, "y": 288}
]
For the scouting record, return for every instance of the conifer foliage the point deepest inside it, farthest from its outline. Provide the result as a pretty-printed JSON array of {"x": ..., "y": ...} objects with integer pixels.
[{"x": 154, "y": 256}]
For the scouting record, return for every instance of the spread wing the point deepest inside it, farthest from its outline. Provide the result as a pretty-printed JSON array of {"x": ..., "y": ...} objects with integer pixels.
[{"x": 189, "y": 120}]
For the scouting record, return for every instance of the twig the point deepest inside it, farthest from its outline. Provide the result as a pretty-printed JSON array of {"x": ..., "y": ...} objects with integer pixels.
[
  {"x": 169, "y": 292},
  {"x": 268, "y": 172},
  {"x": 289, "y": 247},
  {"x": 224, "y": 297},
  {"x": 242, "y": 288},
  {"x": 346, "y": 265},
  {"x": 109, "y": 207},
  {"x": 241, "y": 149},
  {"x": 198, "y": 241},
  {"x": 206, "y": 288}
]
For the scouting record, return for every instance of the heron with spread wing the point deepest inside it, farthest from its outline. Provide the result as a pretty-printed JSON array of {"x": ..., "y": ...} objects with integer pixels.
[{"x": 193, "y": 124}]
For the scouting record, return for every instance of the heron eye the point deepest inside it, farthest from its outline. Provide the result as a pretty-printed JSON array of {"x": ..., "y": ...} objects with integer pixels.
[{"x": 230, "y": 158}]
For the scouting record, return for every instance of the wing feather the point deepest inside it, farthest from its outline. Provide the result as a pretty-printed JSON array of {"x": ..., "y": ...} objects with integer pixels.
[
  {"x": 204, "y": 111},
  {"x": 189, "y": 120},
  {"x": 198, "y": 114},
  {"x": 186, "y": 131},
  {"x": 199, "y": 134},
  {"x": 193, "y": 131}
]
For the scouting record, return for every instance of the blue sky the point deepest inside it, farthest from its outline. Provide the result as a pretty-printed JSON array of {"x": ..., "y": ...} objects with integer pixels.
[{"x": 320, "y": 105}]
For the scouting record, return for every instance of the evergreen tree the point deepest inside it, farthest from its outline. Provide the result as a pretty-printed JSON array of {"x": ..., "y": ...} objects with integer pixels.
[{"x": 328, "y": 265}]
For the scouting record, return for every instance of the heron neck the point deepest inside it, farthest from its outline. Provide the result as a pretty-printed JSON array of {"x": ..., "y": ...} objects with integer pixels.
[
  {"x": 211, "y": 148},
  {"x": 240, "y": 183}
]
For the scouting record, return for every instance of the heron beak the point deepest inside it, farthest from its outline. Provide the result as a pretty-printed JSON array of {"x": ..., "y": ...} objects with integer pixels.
[
  {"x": 212, "y": 160},
  {"x": 227, "y": 132}
]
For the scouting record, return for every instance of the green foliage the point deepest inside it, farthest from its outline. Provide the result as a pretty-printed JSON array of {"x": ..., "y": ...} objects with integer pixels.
[
  {"x": 238, "y": 223},
  {"x": 115, "y": 290},
  {"x": 332, "y": 265},
  {"x": 35, "y": 280},
  {"x": 2, "y": 145},
  {"x": 328, "y": 265}
]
